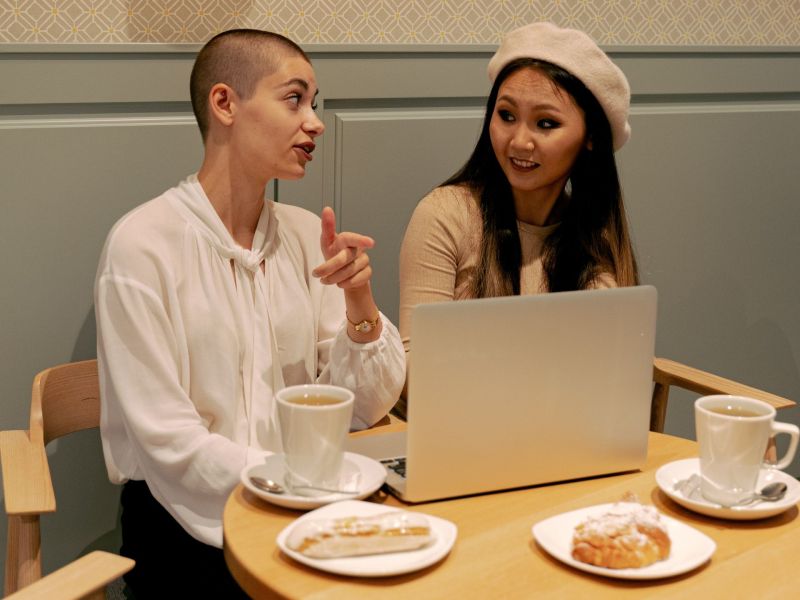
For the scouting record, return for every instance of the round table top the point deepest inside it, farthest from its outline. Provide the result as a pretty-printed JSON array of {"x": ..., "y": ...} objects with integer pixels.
[{"x": 496, "y": 555}]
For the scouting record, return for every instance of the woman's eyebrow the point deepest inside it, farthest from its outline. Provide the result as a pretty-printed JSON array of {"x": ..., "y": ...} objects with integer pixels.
[
  {"x": 301, "y": 82},
  {"x": 297, "y": 81},
  {"x": 507, "y": 98},
  {"x": 540, "y": 106}
]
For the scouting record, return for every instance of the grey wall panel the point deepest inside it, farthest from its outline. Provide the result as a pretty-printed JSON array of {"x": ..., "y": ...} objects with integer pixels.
[
  {"x": 710, "y": 73},
  {"x": 386, "y": 161},
  {"x": 95, "y": 77},
  {"x": 713, "y": 198},
  {"x": 402, "y": 75},
  {"x": 64, "y": 183}
]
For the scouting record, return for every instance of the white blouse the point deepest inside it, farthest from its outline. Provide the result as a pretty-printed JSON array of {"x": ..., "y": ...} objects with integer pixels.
[{"x": 194, "y": 339}]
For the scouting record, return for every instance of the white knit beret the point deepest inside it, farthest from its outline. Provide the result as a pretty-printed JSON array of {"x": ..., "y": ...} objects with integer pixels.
[{"x": 576, "y": 53}]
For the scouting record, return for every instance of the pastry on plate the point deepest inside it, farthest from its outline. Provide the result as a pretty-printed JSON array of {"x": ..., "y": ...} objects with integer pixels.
[
  {"x": 396, "y": 531},
  {"x": 628, "y": 536}
]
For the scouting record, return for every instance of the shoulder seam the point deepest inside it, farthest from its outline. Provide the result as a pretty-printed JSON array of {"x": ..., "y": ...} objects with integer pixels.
[{"x": 129, "y": 282}]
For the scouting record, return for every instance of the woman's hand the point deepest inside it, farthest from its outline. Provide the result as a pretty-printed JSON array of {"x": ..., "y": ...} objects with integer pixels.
[
  {"x": 347, "y": 266},
  {"x": 346, "y": 262}
]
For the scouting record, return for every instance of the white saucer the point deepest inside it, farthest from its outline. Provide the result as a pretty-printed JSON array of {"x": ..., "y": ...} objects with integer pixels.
[
  {"x": 669, "y": 476},
  {"x": 689, "y": 550},
  {"x": 375, "y": 565},
  {"x": 368, "y": 475}
]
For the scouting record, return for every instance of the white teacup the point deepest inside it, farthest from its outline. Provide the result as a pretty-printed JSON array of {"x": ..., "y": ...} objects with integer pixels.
[
  {"x": 314, "y": 421},
  {"x": 733, "y": 433}
]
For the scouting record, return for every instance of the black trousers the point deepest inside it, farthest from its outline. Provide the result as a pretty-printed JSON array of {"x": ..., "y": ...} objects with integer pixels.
[{"x": 170, "y": 563}]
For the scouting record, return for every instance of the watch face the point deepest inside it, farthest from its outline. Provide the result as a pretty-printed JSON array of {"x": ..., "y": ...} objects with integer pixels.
[{"x": 366, "y": 325}]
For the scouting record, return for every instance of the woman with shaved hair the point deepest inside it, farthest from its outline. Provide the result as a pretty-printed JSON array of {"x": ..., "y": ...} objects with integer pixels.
[{"x": 209, "y": 299}]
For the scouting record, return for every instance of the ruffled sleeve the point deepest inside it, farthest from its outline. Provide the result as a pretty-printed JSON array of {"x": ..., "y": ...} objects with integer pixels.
[{"x": 374, "y": 371}]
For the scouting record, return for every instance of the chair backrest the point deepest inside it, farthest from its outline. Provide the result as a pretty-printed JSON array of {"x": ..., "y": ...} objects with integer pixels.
[
  {"x": 65, "y": 399},
  {"x": 668, "y": 373}
]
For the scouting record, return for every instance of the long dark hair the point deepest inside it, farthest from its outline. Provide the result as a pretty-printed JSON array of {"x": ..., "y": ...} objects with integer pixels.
[{"x": 593, "y": 236}]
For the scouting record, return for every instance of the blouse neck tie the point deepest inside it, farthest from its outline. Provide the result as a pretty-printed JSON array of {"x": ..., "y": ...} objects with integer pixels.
[
  {"x": 260, "y": 359},
  {"x": 249, "y": 259}
]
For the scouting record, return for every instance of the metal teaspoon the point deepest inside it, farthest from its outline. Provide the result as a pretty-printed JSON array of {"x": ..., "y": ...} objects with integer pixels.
[
  {"x": 273, "y": 487},
  {"x": 769, "y": 493}
]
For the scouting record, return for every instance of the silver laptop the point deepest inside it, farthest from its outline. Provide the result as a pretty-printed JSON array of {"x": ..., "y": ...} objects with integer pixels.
[{"x": 524, "y": 390}]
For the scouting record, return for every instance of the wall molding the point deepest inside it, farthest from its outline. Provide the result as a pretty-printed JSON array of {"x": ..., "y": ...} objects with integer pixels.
[
  {"x": 108, "y": 77},
  {"x": 148, "y": 48}
]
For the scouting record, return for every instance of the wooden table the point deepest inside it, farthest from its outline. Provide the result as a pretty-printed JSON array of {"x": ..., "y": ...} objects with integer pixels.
[{"x": 496, "y": 557}]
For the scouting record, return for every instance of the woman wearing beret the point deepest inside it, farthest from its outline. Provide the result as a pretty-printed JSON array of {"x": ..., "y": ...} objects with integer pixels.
[{"x": 537, "y": 207}]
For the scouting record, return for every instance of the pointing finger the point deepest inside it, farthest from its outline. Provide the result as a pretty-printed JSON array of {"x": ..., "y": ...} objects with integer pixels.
[{"x": 328, "y": 227}]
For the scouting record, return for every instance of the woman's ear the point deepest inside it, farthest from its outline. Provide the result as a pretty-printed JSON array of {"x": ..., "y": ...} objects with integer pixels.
[
  {"x": 589, "y": 143},
  {"x": 222, "y": 103}
]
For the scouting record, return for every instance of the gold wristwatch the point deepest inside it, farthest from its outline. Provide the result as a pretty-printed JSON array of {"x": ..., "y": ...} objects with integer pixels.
[{"x": 366, "y": 325}]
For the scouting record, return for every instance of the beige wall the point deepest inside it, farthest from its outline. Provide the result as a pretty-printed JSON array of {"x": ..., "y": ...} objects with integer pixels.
[{"x": 614, "y": 22}]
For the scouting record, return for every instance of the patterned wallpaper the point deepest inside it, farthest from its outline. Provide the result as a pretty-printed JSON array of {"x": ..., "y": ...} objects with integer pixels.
[{"x": 612, "y": 22}]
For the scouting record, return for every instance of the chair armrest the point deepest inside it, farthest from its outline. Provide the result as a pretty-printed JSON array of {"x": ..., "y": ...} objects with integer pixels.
[
  {"x": 27, "y": 486},
  {"x": 668, "y": 373},
  {"x": 78, "y": 579}
]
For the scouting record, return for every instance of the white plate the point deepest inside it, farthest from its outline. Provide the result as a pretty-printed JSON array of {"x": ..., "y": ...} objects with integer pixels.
[
  {"x": 368, "y": 474},
  {"x": 689, "y": 550},
  {"x": 669, "y": 476},
  {"x": 374, "y": 565}
]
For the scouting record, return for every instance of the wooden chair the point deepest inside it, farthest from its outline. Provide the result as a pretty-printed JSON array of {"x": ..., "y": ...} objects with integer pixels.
[
  {"x": 65, "y": 399},
  {"x": 667, "y": 373},
  {"x": 85, "y": 577}
]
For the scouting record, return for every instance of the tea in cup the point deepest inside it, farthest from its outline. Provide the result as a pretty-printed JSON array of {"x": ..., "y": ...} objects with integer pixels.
[
  {"x": 733, "y": 433},
  {"x": 314, "y": 421}
]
